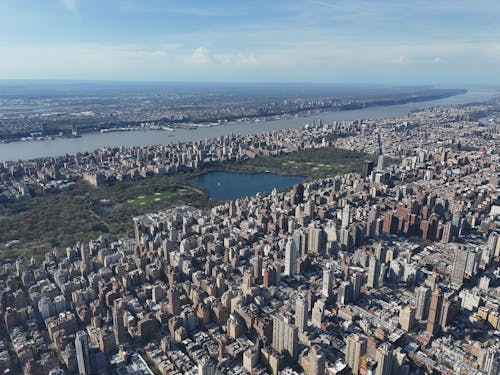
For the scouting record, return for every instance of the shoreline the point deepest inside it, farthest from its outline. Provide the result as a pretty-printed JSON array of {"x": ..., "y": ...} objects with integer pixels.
[{"x": 243, "y": 120}]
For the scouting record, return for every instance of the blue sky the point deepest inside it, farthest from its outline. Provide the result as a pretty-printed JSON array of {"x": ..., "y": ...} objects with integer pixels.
[{"x": 344, "y": 41}]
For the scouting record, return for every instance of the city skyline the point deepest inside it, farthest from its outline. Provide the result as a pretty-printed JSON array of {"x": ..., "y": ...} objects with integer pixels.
[
  {"x": 301, "y": 187},
  {"x": 376, "y": 42}
]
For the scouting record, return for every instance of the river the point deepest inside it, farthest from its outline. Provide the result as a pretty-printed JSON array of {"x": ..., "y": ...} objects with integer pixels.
[{"x": 88, "y": 142}]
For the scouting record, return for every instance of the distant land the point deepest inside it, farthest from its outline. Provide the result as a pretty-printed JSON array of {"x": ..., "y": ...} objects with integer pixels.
[{"x": 45, "y": 109}]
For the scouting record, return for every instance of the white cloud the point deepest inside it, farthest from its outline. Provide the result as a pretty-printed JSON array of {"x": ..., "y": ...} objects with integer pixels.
[
  {"x": 401, "y": 59},
  {"x": 199, "y": 56},
  {"x": 70, "y": 5},
  {"x": 237, "y": 58},
  {"x": 326, "y": 61},
  {"x": 158, "y": 53}
]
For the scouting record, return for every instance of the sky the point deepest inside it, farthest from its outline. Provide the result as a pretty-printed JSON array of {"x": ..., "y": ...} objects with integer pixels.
[{"x": 331, "y": 41}]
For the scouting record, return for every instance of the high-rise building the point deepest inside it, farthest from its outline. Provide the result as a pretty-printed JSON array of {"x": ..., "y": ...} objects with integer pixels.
[
  {"x": 381, "y": 276},
  {"x": 447, "y": 232},
  {"x": 257, "y": 266},
  {"x": 384, "y": 359},
  {"x": 174, "y": 301},
  {"x": 380, "y": 163},
  {"x": 344, "y": 293},
  {"x": 83, "y": 353},
  {"x": 488, "y": 252},
  {"x": 251, "y": 358},
  {"x": 285, "y": 338},
  {"x": 298, "y": 193},
  {"x": 328, "y": 278},
  {"x": 491, "y": 362},
  {"x": 407, "y": 318},
  {"x": 373, "y": 273},
  {"x": 433, "y": 321},
  {"x": 316, "y": 239},
  {"x": 446, "y": 313},
  {"x": 356, "y": 281},
  {"x": 118, "y": 325},
  {"x": 316, "y": 361},
  {"x": 472, "y": 264},
  {"x": 388, "y": 226},
  {"x": 301, "y": 314},
  {"x": 318, "y": 313},
  {"x": 457, "y": 276},
  {"x": 371, "y": 224},
  {"x": 366, "y": 168},
  {"x": 301, "y": 239},
  {"x": 206, "y": 367},
  {"x": 346, "y": 216},
  {"x": 355, "y": 349},
  {"x": 381, "y": 252},
  {"x": 85, "y": 255},
  {"x": 290, "y": 257},
  {"x": 423, "y": 301}
]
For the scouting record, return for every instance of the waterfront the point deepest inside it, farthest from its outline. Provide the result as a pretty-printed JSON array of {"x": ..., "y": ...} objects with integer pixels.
[
  {"x": 226, "y": 185},
  {"x": 88, "y": 142}
]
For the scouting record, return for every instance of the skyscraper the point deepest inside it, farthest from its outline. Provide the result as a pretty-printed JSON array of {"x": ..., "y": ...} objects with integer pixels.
[
  {"x": 489, "y": 250},
  {"x": 290, "y": 257},
  {"x": 446, "y": 312},
  {"x": 384, "y": 359},
  {"x": 346, "y": 216},
  {"x": 473, "y": 261},
  {"x": 316, "y": 361},
  {"x": 423, "y": 300},
  {"x": 301, "y": 314},
  {"x": 366, "y": 168},
  {"x": 457, "y": 276},
  {"x": 356, "y": 286},
  {"x": 435, "y": 312},
  {"x": 301, "y": 239},
  {"x": 118, "y": 326},
  {"x": 447, "y": 232},
  {"x": 257, "y": 266},
  {"x": 298, "y": 193},
  {"x": 328, "y": 278},
  {"x": 371, "y": 224},
  {"x": 491, "y": 362},
  {"x": 344, "y": 293},
  {"x": 82, "y": 353},
  {"x": 355, "y": 349},
  {"x": 84, "y": 254},
  {"x": 285, "y": 337},
  {"x": 318, "y": 313},
  {"x": 316, "y": 239},
  {"x": 380, "y": 163},
  {"x": 373, "y": 273},
  {"x": 406, "y": 318},
  {"x": 174, "y": 302},
  {"x": 206, "y": 367}
]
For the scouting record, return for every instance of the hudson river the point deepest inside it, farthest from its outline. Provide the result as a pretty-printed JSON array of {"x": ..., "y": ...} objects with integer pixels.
[{"x": 88, "y": 142}]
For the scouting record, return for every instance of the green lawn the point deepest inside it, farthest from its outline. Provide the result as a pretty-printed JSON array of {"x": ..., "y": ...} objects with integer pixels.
[
  {"x": 312, "y": 163},
  {"x": 143, "y": 199}
]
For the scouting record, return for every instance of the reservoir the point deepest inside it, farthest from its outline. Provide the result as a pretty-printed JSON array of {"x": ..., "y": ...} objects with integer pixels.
[
  {"x": 89, "y": 142},
  {"x": 224, "y": 185}
]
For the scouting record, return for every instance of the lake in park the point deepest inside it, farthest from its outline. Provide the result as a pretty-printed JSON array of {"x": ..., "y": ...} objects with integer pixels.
[{"x": 226, "y": 185}]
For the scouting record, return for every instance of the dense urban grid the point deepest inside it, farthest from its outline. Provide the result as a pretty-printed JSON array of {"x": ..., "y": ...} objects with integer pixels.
[{"x": 394, "y": 270}]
